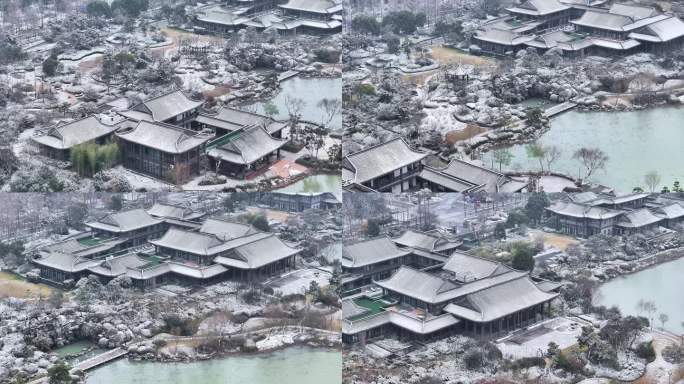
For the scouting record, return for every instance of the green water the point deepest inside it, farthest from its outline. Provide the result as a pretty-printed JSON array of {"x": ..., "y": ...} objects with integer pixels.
[
  {"x": 661, "y": 284},
  {"x": 311, "y": 90},
  {"x": 636, "y": 143},
  {"x": 317, "y": 183},
  {"x": 296, "y": 365},
  {"x": 77, "y": 348}
]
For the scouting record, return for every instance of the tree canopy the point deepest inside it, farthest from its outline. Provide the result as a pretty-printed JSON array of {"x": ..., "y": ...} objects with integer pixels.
[{"x": 404, "y": 21}]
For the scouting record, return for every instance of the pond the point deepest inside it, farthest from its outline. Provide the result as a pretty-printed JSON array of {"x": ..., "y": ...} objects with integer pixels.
[
  {"x": 661, "y": 284},
  {"x": 311, "y": 90},
  {"x": 78, "y": 347},
  {"x": 636, "y": 143},
  {"x": 292, "y": 365},
  {"x": 317, "y": 183}
]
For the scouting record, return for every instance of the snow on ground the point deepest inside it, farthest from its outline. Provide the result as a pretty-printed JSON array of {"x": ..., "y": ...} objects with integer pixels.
[
  {"x": 441, "y": 119},
  {"x": 193, "y": 185},
  {"x": 530, "y": 343},
  {"x": 139, "y": 181},
  {"x": 277, "y": 340},
  {"x": 298, "y": 281},
  {"x": 19, "y": 146},
  {"x": 658, "y": 372},
  {"x": 555, "y": 184}
]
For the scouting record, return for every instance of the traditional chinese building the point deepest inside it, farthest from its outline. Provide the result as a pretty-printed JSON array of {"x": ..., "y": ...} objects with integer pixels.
[
  {"x": 389, "y": 167},
  {"x": 244, "y": 151},
  {"x": 162, "y": 150},
  {"x": 58, "y": 141}
]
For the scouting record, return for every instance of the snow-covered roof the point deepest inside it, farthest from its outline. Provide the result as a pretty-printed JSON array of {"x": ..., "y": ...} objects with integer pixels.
[
  {"x": 447, "y": 181},
  {"x": 168, "y": 105},
  {"x": 64, "y": 262},
  {"x": 219, "y": 15},
  {"x": 583, "y": 211},
  {"x": 166, "y": 210},
  {"x": 163, "y": 137},
  {"x": 233, "y": 119},
  {"x": 618, "y": 200},
  {"x": 77, "y": 132},
  {"x": 486, "y": 179},
  {"x": 602, "y": 20},
  {"x": 617, "y": 45},
  {"x": 500, "y": 300},
  {"x": 249, "y": 251},
  {"x": 381, "y": 159},
  {"x": 75, "y": 247},
  {"x": 430, "y": 288},
  {"x": 425, "y": 241},
  {"x": 670, "y": 211},
  {"x": 638, "y": 218},
  {"x": 502, "y": 36},
  {"x": 539, "y": 7},
  {"x": 401, "y": 320},
  {"x": 466, "y": 268},
  {"x": 246, "y": 145},
  {"x": 124, "y": 221},
  {"x": 314, "y": 6},
  {"x": 634, "y": 12},
  {"x": 615, "y": 22},
  {"x": 115, "y": 266},
  {"x": 225, "y": 228},
  {"x": 660, "y": 31},
  {"x": 370, "y": 252}
]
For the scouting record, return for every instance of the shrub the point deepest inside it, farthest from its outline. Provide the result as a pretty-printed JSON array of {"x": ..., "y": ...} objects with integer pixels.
[
  {"x": 569, "y": 362},
  {"x": 525, "y": 362},
  {"x": 474, "y": 360},
  {"x": 673, "y": 354},
  {"x": 646, "y": 351}
]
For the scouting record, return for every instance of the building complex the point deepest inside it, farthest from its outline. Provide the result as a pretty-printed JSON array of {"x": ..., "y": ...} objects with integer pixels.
[
  {"x": 422, "y": 286},
  {"x": 580, "y": 28},
  {"x": 587, "y": 214},
  {"x": 166, "y": 243},
  {"x": 168, "y": 136},
  {"x": 291, "y": 16},
  {"x": 395, "y": 167}
]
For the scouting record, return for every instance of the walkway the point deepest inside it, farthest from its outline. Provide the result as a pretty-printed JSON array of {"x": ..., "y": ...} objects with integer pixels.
[
  {"x": 287, "y": 74},
  {"x": 560, "y": 108},
  {"x": 100, "y": 359}
]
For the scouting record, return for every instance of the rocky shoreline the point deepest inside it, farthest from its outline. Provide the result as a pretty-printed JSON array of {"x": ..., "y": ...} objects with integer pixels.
[{"x": 244, "y": 347}]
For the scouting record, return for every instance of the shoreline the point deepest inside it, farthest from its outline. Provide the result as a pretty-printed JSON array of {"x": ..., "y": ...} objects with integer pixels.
[
  {"x": 640, "y": 266},
  {"x": 226, "y": 355},
  {"x": 248, "y": 344}
]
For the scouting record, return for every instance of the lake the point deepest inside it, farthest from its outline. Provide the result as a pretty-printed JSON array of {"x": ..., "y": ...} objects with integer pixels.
[
  {"x": 636, "y": 143},
  {"x": 661, "y": 284},
  {"x": 311, "y": 90},
  {"x": 317, "y": 183},
  {"x": 298, "y": 365}
]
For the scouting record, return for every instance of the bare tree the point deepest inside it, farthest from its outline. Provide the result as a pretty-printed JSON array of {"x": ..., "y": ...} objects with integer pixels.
[
  {"x": 551, "y": 154},
  {"x": 592, "y": 159},
  {"x": 502, "y": 156},
  {"x": 330, "y": 108},
  {"x": 652, "y": 180},
  {"x": 663, "y": 319},
  {"x": 650, "y": 308},
  {"x": 294, "y": 107}
]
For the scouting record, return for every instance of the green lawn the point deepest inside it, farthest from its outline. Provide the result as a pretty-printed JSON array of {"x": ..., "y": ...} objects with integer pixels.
[
  {"x": 152, "y": 260},
  {"x": 372, "y": 307},
  {"x": 90, "y": 241}
]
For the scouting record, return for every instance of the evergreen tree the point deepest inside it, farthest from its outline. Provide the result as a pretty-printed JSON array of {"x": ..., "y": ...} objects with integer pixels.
[
  {"x": 373, "y": 228},
  {"x": 523, "y": 256},
  {"x": 536, "y": 206}
]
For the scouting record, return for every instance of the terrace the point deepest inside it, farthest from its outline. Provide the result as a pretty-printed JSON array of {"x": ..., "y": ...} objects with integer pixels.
[{"x": 92, "y": 241}]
